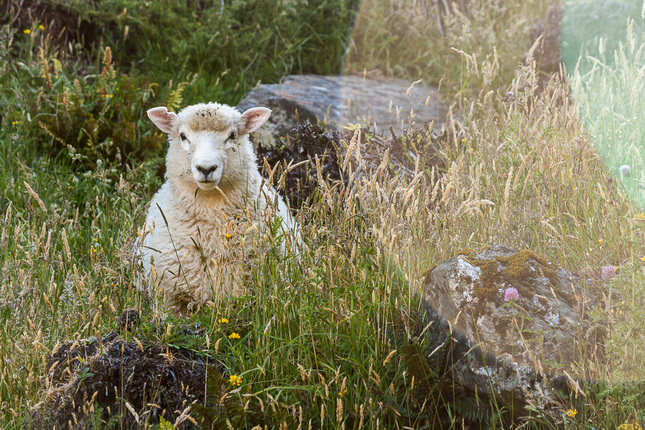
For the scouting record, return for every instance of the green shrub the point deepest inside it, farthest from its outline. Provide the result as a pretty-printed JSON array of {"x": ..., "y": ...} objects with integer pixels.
[{"x": 102, "y": 118}]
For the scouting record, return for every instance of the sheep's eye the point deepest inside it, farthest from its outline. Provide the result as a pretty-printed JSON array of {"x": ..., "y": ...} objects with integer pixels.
[
  {"x": 232, "y": 136},
  {"x": 182, "y": 136}
]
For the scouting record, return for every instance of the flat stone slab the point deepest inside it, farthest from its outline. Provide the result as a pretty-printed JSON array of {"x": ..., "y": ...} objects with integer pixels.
[{"x": 336, "y": 101}]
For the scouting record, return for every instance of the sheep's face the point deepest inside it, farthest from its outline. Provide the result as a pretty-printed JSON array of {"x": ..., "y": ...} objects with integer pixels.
[
  {"x": 208, "y": 134},
  {"x": 207, "y": 153}
]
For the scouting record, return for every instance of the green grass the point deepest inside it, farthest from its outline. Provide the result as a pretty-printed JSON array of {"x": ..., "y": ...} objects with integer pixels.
[
  {"x": 333, "y": 337},
  {"x": 611, "y": 102},
  {"x": 591, "y": 27},
  {"x": 608, "y": 83}
]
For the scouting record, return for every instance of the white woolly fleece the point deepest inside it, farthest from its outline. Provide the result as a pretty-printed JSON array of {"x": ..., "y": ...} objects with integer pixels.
[{"x": 196, "y": 240}]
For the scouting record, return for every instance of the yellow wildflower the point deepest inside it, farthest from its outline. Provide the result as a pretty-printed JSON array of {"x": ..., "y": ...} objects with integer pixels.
[
  {"x": 108, "y": 96},
  {"x": 42, "y": 27},
  {"x": 228, "y": 235},
  {"x": 26, "y": 31},
  {"x": 235, "y": 380},
  {"x": 641, "y": 216},
  {"x": 572, "y": 413},
  {"x": 628, "y": 426},
  {"x": 234, "y": 336},
  {"x": 600, "y": 241},
  {"x": 222, "y": 321},
  {"x": 642, "y": 258}
]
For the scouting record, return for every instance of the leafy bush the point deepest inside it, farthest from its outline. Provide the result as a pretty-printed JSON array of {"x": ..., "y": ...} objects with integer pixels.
[
  {"x": 91, "y": 112},
  {"x": 102, "y": 118}
]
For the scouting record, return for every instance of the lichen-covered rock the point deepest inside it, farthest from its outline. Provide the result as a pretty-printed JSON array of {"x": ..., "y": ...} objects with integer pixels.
[
  {"x": 339, "y": 100},
  {"x": 519, "y": 321}
]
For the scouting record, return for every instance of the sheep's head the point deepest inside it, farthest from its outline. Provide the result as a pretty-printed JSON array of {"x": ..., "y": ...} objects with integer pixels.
[{"x": 208, "y": 134}]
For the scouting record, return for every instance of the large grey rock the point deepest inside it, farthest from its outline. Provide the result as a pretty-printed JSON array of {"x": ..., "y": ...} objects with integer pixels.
[
  {"x": 339, "y": 100},
  {"x": 518, "y": 351}
]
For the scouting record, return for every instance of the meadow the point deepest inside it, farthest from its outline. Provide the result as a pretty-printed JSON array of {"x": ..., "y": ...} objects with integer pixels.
[{"x": 331, "y": 340}]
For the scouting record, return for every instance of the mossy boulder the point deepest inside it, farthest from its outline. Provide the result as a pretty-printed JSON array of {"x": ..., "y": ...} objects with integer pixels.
[{"x": 521, "y": 322}]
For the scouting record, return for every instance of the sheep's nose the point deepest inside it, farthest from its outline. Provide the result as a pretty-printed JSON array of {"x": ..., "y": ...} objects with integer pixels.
[{"x": 206, "y": 170}]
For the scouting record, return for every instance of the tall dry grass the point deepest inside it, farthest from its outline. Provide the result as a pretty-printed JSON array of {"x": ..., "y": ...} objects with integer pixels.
[{"x": 522, "y": 172}]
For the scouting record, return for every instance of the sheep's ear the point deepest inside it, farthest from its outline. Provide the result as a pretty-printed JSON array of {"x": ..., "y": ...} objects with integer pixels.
[
  {"x": 162, "y": 118},
  {"x": 252, "y": 119}
]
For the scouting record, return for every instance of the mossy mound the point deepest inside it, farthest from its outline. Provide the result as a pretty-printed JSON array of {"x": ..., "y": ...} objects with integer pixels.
[{"x": 121, "y": 382}]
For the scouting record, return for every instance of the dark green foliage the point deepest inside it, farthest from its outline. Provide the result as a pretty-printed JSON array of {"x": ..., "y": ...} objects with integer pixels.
[
  {"x": 214, "y": 50},
  {"x": 102, "y": 118},
  {"x": 79, "y": 113},
  {"x": 222, "y": 48},
  {"x": 219, "y": 404},
  {"x": 166, "y": 52},
  {"x": 430, "y": 373},
  {"x": 435, "y": 396}
]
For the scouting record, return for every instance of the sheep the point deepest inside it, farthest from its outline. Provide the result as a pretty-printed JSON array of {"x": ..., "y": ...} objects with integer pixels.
[{"x": 214, "y": 212}]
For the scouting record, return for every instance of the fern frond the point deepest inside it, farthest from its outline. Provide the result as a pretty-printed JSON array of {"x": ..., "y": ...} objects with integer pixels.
[{"x": 176, "y": 99}]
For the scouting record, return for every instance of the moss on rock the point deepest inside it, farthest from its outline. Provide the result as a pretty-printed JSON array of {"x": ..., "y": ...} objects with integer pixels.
[{"x": 517, "y": 270}]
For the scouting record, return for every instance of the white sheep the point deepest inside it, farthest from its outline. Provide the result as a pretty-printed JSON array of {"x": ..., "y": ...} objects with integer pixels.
[{"x": 214, "y": 212}]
